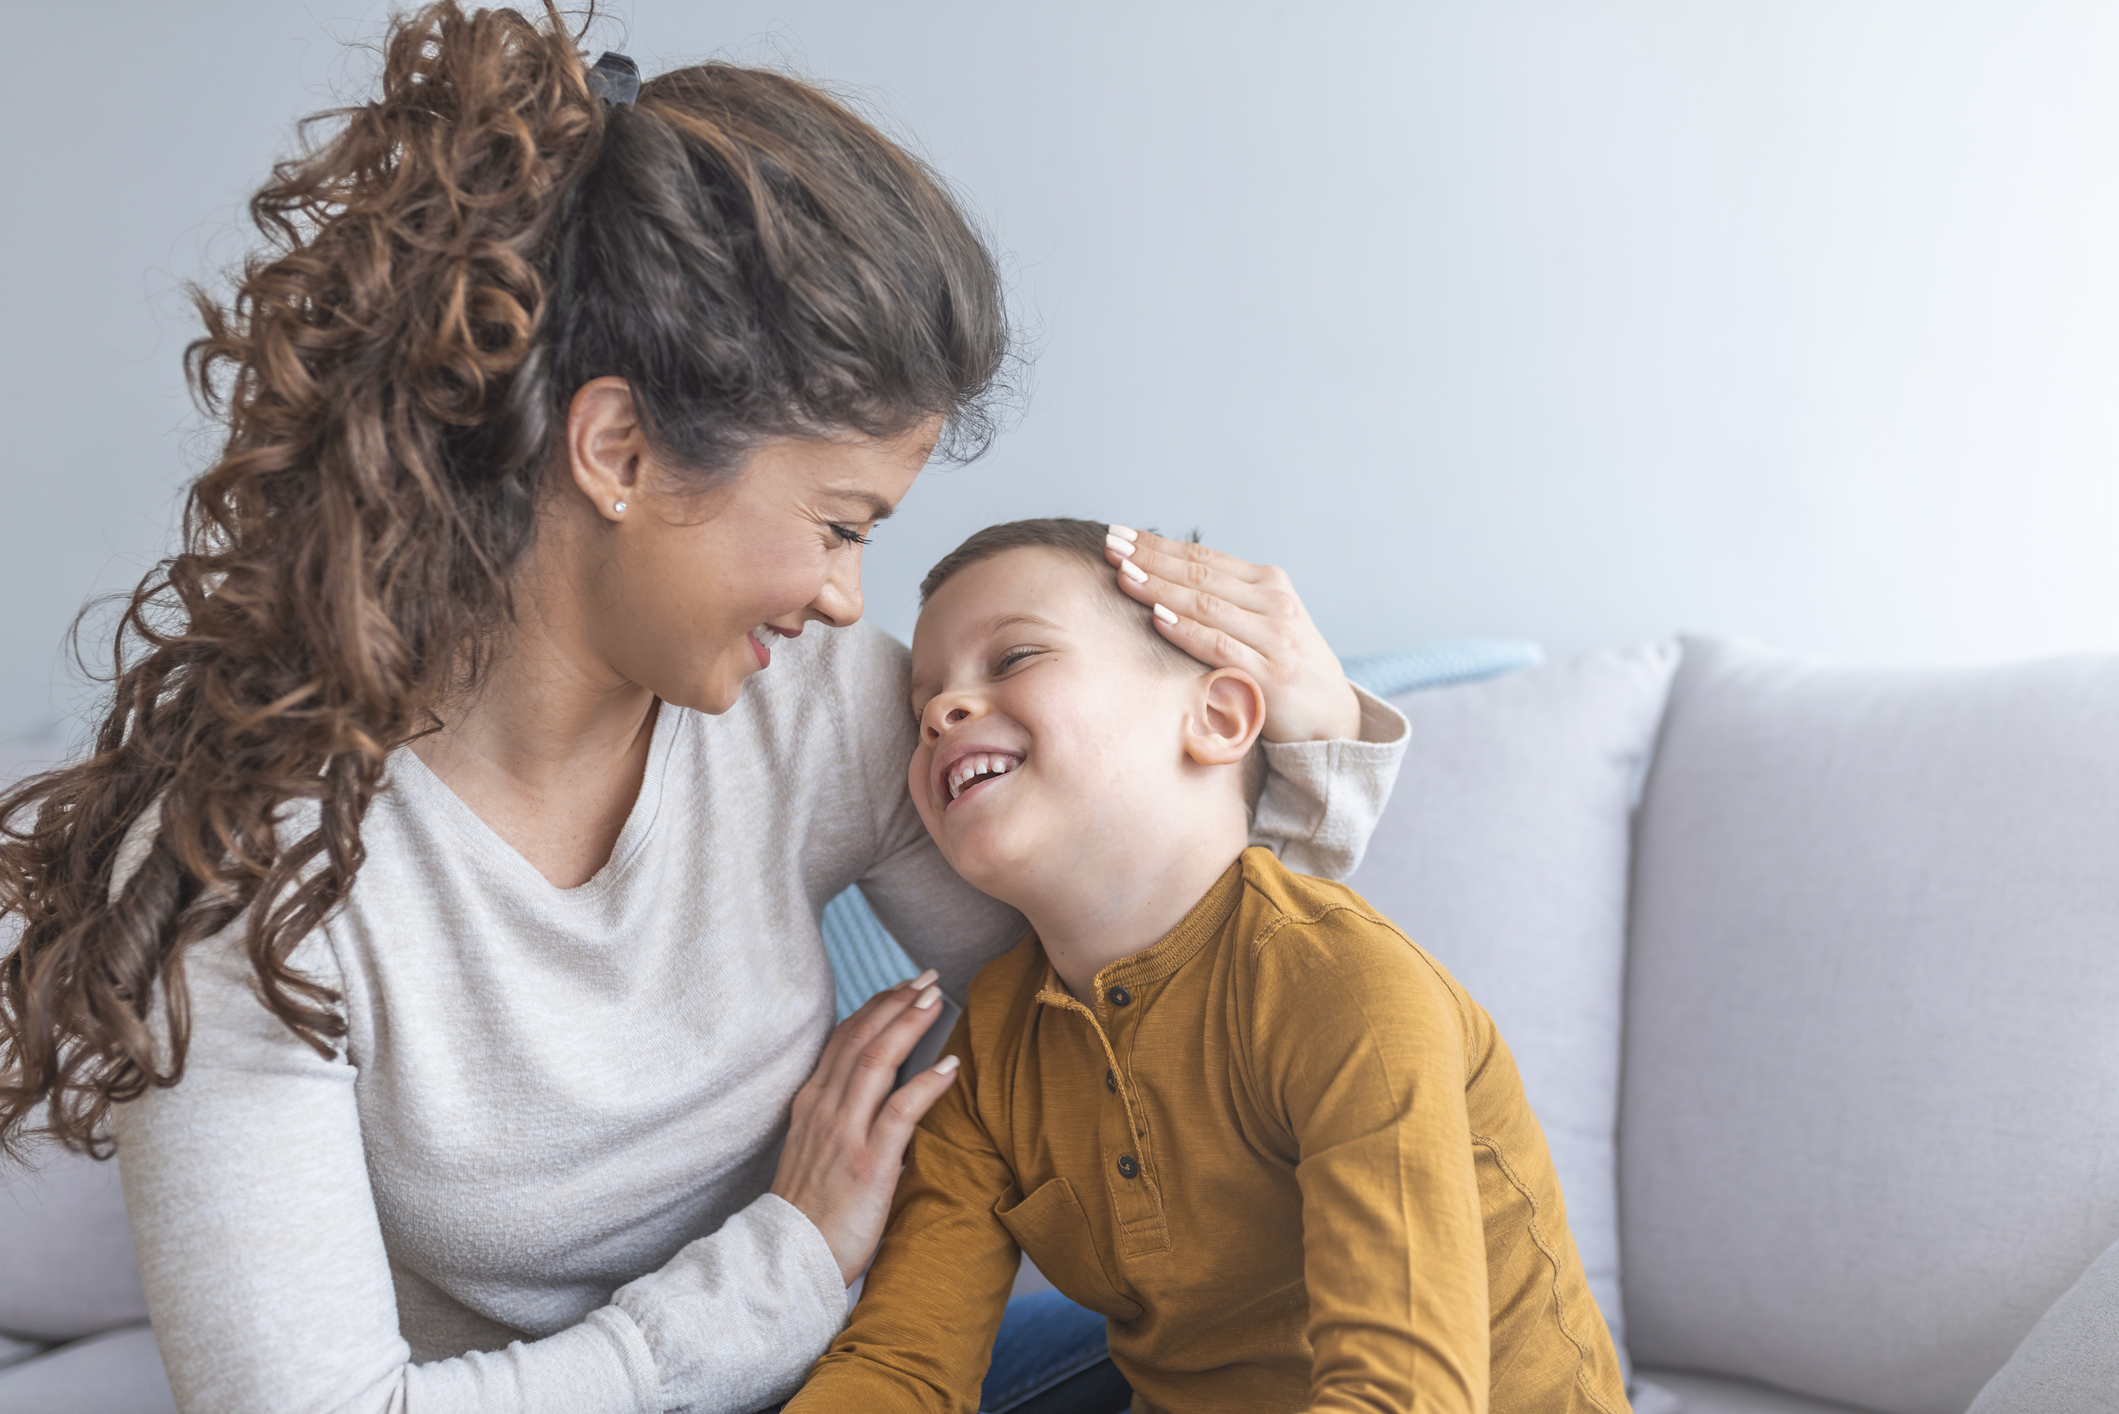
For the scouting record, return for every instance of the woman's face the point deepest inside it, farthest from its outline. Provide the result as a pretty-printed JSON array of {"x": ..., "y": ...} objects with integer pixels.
[{"x": 686, "y": 593}]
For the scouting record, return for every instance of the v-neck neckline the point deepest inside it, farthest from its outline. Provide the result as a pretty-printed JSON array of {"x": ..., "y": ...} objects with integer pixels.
[{"x": 413, "y": 775}]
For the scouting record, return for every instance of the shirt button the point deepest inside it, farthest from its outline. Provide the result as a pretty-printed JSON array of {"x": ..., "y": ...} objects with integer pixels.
[
  {"x": 1127, "y": 1168},
  {"x": 1110, "y": 1082},
  {"x": 1120, "y": 996}
]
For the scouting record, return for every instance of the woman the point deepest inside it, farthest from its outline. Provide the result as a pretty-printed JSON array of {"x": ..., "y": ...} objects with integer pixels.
[{"x": 434, "y": 928}]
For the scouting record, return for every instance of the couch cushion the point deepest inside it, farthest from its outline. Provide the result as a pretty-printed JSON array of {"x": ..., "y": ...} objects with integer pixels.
[
  {"x": 1705, "y": 1394},
  {"x": 1503, "y": 851},
  {"x": 14, "y": 1351},
  {"x": 2069, "y": 1363},
  {"x": 1869, "y": 1124},
  {"x": 66, "y": 1263},
  {"x": 119, "y": 1372}
]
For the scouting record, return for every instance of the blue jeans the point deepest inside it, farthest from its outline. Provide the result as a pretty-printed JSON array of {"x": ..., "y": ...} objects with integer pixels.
[{"x": 1050, "y": 1358}]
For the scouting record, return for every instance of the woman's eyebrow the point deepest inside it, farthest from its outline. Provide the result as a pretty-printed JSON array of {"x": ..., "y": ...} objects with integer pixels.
[{"x": 876, "y": 508}]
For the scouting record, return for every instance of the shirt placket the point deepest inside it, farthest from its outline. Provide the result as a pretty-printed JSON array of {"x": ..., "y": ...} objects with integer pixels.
[{"x": 1128, "y": 1169}]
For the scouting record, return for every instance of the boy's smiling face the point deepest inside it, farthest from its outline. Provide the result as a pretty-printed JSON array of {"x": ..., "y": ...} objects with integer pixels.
[{"x": 1051, "y": 738}]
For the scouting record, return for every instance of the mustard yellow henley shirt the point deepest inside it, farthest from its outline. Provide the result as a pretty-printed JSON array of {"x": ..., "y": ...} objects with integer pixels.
[{"x": 1282, "y": 1151}]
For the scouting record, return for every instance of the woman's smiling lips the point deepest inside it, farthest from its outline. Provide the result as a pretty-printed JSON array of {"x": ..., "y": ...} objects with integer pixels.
[
  {"x": 966, "y": 767},
  {"x": 761, "y": 638}
]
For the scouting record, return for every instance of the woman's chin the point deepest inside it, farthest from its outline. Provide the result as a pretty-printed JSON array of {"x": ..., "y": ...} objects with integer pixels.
[{"x": 712, "y": 694}]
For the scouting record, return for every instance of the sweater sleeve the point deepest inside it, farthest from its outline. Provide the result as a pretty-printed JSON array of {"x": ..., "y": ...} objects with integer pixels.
[
  {"x": 1361, "y": 1049},
  {"x": 1322, "y": 799},
  {"x": 1320, "y": 804},
  {"x": 920, "y": 1339},
  {"x": 271, "y": 1291}
]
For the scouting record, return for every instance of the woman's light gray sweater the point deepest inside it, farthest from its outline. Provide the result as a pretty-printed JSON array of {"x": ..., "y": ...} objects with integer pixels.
[{"x": 534, "y": 1177}]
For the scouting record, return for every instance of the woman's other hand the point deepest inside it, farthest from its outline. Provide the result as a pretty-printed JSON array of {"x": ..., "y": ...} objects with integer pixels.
[
  {"x": 1230, "y": 613},
  {"x": 846, "y": 1141}
]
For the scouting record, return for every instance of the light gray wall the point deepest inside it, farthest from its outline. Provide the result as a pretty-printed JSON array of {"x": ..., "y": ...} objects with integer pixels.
[{"x": 1576, "y": 321}]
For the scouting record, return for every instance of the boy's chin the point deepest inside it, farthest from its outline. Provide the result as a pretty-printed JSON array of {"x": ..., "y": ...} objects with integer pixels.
[{"x": 987, "y": 865}]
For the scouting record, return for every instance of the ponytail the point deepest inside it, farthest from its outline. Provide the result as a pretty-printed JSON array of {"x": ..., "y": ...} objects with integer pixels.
[{"x": 439, "y": 274}]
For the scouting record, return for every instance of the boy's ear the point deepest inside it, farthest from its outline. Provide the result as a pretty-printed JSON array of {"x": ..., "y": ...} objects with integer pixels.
[{"x": 1231, "y": 711}]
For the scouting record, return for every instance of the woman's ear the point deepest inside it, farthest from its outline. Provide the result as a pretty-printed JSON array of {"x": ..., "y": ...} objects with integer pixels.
[
  {"x": 606, "y": 446},
  {"x": 1231, "y": 711}
]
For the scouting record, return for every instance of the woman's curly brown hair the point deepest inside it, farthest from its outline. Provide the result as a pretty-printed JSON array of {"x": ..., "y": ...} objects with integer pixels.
[{"x": 442, "y": 269}]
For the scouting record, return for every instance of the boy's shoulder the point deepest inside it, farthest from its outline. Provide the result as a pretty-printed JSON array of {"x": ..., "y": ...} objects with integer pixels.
[
  {"x": 1276, "y": 893},
  {"x": 1007, "y": 987},
  {"x": 1298, "y": 929},
  {"x": 1279, "y": 903}
]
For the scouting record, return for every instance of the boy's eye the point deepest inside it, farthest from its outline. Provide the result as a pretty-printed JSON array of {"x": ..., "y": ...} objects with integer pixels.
[
  {"x": 1013, "y": 656},
  {"x": 848, "y": 535}
]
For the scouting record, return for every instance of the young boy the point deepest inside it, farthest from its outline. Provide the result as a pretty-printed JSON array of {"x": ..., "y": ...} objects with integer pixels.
[{"x": 1229, "y": 1107}]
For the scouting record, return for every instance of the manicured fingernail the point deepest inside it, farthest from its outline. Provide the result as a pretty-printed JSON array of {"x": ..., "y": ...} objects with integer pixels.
[
  {"x": 1165, "y": 615},
  {"x": 1123, "y": 532},
  {"x": 922, "y": 980},
  {"x": 927, "y": 999},
  {"x": 1112, "y": 542},
  {"x": 946, "y": 1065},
  {"x": 1132, "y": 571}
]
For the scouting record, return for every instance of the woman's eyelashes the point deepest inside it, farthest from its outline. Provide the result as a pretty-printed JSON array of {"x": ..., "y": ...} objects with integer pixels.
[{"x": 847, "y": 534}]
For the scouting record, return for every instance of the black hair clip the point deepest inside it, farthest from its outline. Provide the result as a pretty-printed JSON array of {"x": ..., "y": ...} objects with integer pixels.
[{"x": 615, "y": 79}]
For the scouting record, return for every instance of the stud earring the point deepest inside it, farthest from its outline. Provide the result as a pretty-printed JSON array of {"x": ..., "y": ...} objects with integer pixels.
[{"x": 619, "y": 507}]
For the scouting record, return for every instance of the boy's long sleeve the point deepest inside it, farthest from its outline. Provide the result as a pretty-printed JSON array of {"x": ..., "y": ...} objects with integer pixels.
[
  {"x": 1422, "y": 1253},
  {"x": 1365, "y": 1061},
  {"x": 920, "y": 1338}
]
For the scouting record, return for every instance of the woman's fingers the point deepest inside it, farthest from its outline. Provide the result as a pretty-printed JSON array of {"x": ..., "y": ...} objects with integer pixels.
[
  {"x": 1230, "y": 613},
  {"x": 852, "y": 1039},
  {"x": 847, "y": 1136},
  {"x": 1253, "y": 604},
  {"x": 905, "y": 1109},
  {"x": 1199, "y": 567},
  {"x": 1216, "y": 647},
  {"x": 875, "y": 1065}
]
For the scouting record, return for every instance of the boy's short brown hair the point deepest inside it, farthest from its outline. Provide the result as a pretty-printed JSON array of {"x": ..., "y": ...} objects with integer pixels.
[{"x": 1084, "y": 540}]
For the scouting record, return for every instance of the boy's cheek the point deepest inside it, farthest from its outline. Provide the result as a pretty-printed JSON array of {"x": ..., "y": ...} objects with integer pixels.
[{"x": 916, "y": 783}]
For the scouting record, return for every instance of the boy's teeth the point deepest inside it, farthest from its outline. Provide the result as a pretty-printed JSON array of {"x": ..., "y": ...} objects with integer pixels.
[
  {"x": 972, "y": 767},
  {"x": 763, "y": 634}
]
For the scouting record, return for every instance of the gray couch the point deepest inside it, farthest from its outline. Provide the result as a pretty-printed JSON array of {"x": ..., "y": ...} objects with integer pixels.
[{"x": 1813, "y": 976}]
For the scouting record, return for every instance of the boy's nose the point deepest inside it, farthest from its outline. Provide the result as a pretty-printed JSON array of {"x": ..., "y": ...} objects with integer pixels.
[{"x": 950, "y": 716}]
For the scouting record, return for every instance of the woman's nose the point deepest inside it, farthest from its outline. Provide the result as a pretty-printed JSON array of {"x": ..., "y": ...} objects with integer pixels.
[{"x": 838, "y": 603}]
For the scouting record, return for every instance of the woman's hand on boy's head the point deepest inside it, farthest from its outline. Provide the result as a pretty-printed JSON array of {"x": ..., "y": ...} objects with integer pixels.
[{"x": 1230, "y": 613}]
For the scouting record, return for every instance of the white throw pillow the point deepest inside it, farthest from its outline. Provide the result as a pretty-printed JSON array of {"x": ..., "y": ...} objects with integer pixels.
[{"x": 1504, "y": 852}]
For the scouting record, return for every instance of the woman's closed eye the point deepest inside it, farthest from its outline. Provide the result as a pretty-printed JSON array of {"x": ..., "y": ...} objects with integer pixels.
[{"x": 847, "y": 534}]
